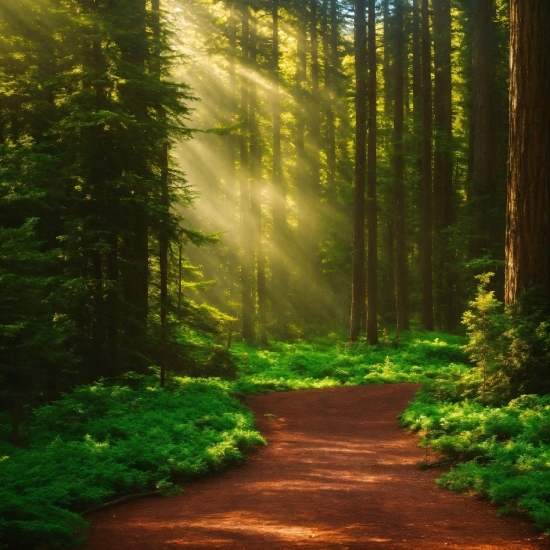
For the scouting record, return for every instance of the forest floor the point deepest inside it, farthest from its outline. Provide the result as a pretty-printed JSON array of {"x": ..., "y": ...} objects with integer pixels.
[{"x": 338, "y": 472}]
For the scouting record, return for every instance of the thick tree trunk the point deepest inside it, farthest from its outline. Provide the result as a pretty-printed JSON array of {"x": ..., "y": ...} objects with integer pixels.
[
  {"x": 402, "y": 291},
  {"x": 443, "y": 167},
  {"x": 256, "y": 191},
  {"x": 279, "y": 285},
  {"x": 358, "y": 268},
  {"x": 247, "y": 249},
  {"x": 372, "y": 212},
  {"x": 427, "y": 319},
  {"x": 528, "y": 220}
]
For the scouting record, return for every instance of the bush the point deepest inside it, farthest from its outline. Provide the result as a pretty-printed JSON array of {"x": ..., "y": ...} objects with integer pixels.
[{"x": 103, "y": 441}]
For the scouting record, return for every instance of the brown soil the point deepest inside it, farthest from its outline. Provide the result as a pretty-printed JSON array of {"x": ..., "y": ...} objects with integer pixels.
[{"x": 338, "y": 472}]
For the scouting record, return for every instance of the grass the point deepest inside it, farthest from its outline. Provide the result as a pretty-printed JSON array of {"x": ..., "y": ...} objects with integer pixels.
[{"x": 107, "y": 440}]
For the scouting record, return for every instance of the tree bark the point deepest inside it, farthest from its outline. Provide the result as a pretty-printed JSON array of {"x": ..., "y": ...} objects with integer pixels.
[
  {"x": 247, "y": 248},
  {"x": 402, "y": 292},
  {"x": 358, "y": 267},
  {"x": 164, "y": 239},
  {"x": 528, "y": 220},
  {"x": 443, "y": 167},
  {"x": 279, "y": 272},
  {"x": 387, "y": 290},
  {"x": 427, "y": 319},
  {"x": 330, "y": 68},
  {"x": 256, "y": 191},
  {"x": 482, "y": 127},
  {"x": 372, "y": 212},
  {"x": 314, "y": 114}
]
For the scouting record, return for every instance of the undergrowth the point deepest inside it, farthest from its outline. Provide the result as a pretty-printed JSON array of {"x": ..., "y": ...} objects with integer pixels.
[
  {"x": 502, "y": 453},
  {"x": 103, "y": 441}
]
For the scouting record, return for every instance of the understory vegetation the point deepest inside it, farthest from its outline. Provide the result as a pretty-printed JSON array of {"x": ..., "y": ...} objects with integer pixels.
[
  {"x": 103, "y": 441},
  {"x": 128, "y": 435}
]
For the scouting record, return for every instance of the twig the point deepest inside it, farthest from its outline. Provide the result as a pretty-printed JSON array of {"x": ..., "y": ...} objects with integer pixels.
[{"x": 121, "y": 500}]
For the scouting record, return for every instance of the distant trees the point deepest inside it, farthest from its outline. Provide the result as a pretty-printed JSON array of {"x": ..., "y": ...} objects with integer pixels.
[
  {"x": 339, "y": 180},
  {"x": 420, "y": 172}
]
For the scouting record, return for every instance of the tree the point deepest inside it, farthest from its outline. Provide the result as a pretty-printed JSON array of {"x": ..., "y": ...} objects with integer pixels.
[
  {"x": 528, "y": 212},
  {"x": 372, "y": 213},
  {"x": 426, "y": 199},
  {"x": 358, "y": 269},
  {"x": 256, "y": 190},
  {"x": 278, "y": 259},
  {"x": 402, "y": 291},
  {"x": 247, "y": 249},
  {"x": 443, "y": 167}
]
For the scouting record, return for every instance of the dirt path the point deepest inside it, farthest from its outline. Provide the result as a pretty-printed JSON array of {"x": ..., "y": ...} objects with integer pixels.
[{"x": 338, "y": 473}]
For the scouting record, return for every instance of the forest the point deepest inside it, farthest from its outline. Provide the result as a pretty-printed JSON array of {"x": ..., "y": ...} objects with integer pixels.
[{"x": 206, "y": 199}]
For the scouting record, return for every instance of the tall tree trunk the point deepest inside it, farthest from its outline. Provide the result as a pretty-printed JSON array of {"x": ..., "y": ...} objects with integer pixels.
[
  {"x": 482, "y": 129},
  {"x": 358, "y": 267},
  {"x": 443, "y": 167},
  {"x": 164, "y": 245},
  {"x": 301, "y": 158},
  {"x": 164, "y": 238},
  {"x": 528, "y": 221},
  {"x": 416, "y": 65},
  {"x": 232, "y": 139},
  {"x": 305, "y": 279},
  {"x": 387, "y": 290},
  {"x": 386, "y": 64},
  {"x": 247, "y": 246},
  {"x": 329, "y": 97},
  {"x": 426, "y": 199},
  {"x": 256, "y": 179},
  {"x": 314, "y": 113},
  {"x": 279, "y": 285},
  {"x": 372, "y": 213},
  {"x": 402, "y": 292},
  {"x": 134, "y": 248}
]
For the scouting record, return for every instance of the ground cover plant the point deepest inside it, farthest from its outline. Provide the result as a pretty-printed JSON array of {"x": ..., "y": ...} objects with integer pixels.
[
  {"x": 502, "y": 453},
  {"x": 102, "y": 441},
  {"x": 494, "y": 421}
]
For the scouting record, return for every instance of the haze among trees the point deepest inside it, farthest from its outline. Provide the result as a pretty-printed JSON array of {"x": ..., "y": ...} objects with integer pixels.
[{"x": 179, "y": 177}]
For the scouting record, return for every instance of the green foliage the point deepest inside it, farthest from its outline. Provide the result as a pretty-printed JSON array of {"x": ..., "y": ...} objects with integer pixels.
[
  {"x": 504, "y": 451},
  {"x": 511, "y": 347},
  {"x": 103, "y": 441},
  {"x": 331, "y": 362},
  {"x": 485, "y": 323}
]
